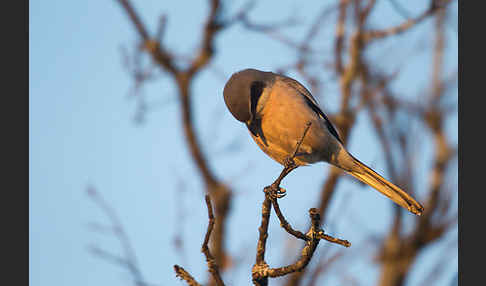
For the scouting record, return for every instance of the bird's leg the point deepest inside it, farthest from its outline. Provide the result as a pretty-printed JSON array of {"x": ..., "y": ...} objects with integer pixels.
[{"x": 274, "y": 190}]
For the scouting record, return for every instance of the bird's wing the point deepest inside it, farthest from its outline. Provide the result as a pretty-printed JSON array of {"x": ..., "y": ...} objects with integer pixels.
[{"x": 311, "y": 101}]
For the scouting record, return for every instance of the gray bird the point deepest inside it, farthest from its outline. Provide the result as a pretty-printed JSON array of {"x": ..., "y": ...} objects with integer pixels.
[{"x": 277, "y": 110}]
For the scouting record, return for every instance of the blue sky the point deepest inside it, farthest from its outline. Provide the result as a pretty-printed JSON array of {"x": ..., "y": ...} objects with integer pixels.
[{"x": 82, "y": 133}]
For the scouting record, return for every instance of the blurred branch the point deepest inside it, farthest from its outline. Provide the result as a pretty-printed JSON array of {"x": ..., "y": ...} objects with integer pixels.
[
  {"x": 323, "y": 266},
  {"x": 340, "y": 34},
  {"x": 356, "y": 69},
  {"x": 180, "y": 213},
  {"x": 271, "y": 29},
  {"x": 435, "y": 5},
  {"x": 243, "y": 18},
  {"x": 400, "y": 251},
  {"x": 184, "y": 78},
  {"x": 128, "y": 260},
  {"x": 444, "y": 258}
]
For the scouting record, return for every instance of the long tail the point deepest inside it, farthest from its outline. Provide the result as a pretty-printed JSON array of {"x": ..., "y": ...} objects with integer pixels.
[{"x": 366, "y": 175}]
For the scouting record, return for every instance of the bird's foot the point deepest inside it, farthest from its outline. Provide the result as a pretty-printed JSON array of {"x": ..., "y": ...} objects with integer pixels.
[{"x": 275, "y": 192}]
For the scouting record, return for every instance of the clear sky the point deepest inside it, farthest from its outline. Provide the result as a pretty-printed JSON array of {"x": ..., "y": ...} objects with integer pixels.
[{"x": 82, "y": 133}]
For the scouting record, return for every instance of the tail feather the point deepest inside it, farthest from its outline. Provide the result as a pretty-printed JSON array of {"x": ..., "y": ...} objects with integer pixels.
[{"x": 370, "y": 177}]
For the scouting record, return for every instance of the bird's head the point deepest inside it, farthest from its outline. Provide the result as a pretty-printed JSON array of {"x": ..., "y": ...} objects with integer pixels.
[{"x": 242, "y": 91}]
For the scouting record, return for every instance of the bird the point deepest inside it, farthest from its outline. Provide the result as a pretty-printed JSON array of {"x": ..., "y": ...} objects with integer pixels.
[{"x": 279, "y": 111}]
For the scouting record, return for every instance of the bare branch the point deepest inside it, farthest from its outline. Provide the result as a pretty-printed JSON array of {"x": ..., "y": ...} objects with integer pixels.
[
  {"x": 261, "y": 271},
  {"x": 340, "y": 34},
  {"x": 285, "y": 224},
  {"x": 184, "y": 78},
  {"x": 400, "y": 251},
  {"x": 184, "y": 275},
  {"x": 323, "y": 266},
  {"x": 343, "y": 242},
  {"x": 212, "y": 266}
]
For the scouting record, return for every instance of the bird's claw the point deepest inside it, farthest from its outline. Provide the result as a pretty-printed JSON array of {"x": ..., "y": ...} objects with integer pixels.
[{"x": 275, "y": 192}]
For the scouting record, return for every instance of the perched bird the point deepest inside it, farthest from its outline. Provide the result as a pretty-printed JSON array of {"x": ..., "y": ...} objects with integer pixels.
[{"x": 277, "y": 110}]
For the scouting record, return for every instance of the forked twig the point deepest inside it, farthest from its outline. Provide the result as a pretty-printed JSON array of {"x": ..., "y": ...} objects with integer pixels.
[
  {"x": 261, "y": 271},
  {"x": 320, "y": 234}
]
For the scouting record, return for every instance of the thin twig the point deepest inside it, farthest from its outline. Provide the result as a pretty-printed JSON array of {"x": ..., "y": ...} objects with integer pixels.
[
  {"x": 343, "y": 242},
  {"x": 261, "y": 272},
  {"x": 212, "y": 265},
  {"x": 184, "y": 275},
  {"x": 285, "y": 224},
  {"x": 258, "y": 271},
  {"x": 307, "y": 126}
]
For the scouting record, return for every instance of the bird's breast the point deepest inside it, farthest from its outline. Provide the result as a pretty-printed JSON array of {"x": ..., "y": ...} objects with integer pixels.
[{"x": 282, "y": 123}]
